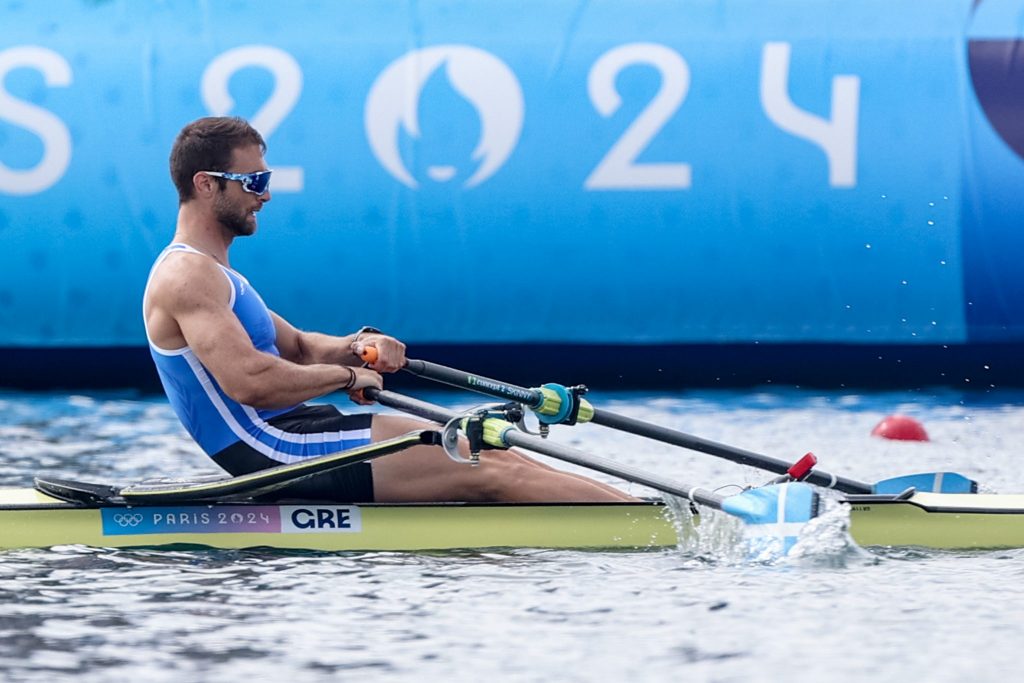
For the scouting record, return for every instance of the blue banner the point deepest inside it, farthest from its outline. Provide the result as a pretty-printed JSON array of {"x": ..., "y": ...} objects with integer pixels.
[{"x": 721, "y": 171}]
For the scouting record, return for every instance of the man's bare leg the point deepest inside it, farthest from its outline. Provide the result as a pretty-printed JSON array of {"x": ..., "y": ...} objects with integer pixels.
[{"x": 427, "y": 474}]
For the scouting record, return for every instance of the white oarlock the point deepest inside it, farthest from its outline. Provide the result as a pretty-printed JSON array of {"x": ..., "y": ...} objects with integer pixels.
[
  {"x": 450, "y": 440},
  {"x": 510, "y": 412}
]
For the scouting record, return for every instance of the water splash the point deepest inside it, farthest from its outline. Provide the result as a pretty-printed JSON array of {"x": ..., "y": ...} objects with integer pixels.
[
  {"x": 705, "y": 533},
  {"x": 825, "y": 541},
  {"x": 719, "y": 538}
]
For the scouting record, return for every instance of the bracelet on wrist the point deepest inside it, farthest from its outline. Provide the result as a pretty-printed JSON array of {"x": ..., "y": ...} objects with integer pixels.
[
  {"x": 351, "y": 379},
  {"x": 366, "y": 329}
]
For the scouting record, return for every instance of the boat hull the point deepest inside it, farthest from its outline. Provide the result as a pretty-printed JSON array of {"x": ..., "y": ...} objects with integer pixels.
[
  {"x": 943, "y": 521},
  {"x": 337, "y": 527},
  {"x": 29, "y": 518}
]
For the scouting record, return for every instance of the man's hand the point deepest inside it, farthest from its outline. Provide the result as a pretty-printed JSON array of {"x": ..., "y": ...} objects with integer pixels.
[
  {"x": 365, "y": 377},
  {"x": 390, "y": 351}
]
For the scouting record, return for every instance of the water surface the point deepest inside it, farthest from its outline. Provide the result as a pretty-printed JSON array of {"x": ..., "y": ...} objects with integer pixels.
[{"x": 529, "y": 615}]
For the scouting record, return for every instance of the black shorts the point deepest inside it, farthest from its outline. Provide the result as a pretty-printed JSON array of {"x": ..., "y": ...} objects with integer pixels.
[{"x": 351, "y": 484}]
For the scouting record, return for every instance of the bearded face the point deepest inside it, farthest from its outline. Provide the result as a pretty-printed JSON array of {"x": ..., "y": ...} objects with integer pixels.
[{"x": 236, "y": 216}]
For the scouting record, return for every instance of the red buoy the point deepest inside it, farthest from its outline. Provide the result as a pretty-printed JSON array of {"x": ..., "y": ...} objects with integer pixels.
[{"x": 900, "y": 428}]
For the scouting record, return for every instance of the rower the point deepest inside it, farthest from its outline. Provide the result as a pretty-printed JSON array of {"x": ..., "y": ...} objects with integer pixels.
[{"x": 239, "y": 375}]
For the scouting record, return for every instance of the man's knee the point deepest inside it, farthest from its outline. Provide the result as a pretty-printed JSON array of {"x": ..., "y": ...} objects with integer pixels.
[
  {"x": 504, "y": 479},
  {"x": 390, "y": 426}
]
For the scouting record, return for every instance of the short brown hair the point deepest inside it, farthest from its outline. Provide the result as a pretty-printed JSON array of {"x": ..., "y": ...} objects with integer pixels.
[{"x": 206, "y": 145}]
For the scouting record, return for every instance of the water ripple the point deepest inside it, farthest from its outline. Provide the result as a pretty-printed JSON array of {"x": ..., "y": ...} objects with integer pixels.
[{"x": 527, "y": 615}]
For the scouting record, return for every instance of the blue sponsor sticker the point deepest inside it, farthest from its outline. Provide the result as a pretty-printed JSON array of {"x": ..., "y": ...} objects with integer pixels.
[
  {"x": 192, "y": 519},
  {"x": 232, "y": 519}
]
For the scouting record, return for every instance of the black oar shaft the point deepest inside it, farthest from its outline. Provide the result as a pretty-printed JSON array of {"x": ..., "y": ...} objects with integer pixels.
[
  {"x": 571, "y": 455},
  {"x": 594, "y": 462},
  {"x": 466, "y": 380},
  {"x": 731, "y": 453},
  {"x": 534, "y": 398}
]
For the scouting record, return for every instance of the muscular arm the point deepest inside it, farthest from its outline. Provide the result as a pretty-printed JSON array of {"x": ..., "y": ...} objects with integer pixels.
[
  {"x": 309, "y": 348},
  {"x": 312, "y": 347},
  {"x": 193, "y": 293}
]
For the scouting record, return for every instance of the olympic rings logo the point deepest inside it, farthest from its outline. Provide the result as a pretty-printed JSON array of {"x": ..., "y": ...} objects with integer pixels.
[{"x": 128, "y": 519}]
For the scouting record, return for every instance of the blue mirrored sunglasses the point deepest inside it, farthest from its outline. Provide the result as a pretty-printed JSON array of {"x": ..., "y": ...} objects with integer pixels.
[{"x": 256, "y": 183}]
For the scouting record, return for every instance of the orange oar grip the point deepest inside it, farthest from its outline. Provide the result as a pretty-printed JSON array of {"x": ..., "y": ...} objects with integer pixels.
[{"x": 369, "y": 354}]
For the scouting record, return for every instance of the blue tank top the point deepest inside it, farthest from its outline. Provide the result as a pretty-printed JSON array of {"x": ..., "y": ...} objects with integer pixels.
[{"x": 213, "y": 418}]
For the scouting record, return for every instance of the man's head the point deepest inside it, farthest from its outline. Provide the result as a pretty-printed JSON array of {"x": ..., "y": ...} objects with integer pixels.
[
  {"x": 207, "y": 144},
  {"x": 218, "y": 162}
]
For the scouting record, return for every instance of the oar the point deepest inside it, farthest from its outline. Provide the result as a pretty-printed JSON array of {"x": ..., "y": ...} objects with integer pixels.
[
  {"x": 556, "y": 404},
  {"x": 773, "y": 515}
]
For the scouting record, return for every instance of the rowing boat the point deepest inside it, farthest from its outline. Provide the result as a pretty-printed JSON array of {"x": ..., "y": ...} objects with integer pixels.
[
  {"x": 931, "y": 510},
  {"x": 61, "y": 513}
]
